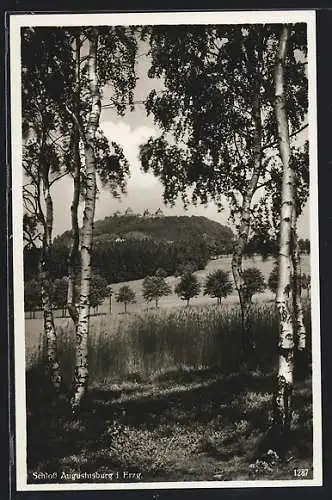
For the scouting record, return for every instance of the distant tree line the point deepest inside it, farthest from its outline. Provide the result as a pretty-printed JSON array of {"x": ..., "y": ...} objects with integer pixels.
[
  {"x": 267, "y": 246},
  {"x": 127, "y": 260}
]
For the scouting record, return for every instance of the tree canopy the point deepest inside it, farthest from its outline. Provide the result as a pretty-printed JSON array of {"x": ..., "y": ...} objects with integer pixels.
[
  {"x": 212, "y": 75},
  {"x": 155, "y": 287},
  {"x": 125, "y": 296},
  {"x": 254, "y": 280},
  {"x": 188, "y": 287},
  {"x": 218, "y": 285}
]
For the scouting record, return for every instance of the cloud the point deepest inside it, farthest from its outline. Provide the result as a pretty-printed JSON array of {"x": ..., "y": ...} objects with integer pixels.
[
  {"x": 141, "y": 187},
  {"x": 130, "y": 139}
]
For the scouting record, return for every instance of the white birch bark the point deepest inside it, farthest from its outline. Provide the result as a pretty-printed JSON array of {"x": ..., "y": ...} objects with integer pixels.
[
  {"x": 243, "y": 234},
  {"x": 300, "y": 331},
  {"x": 81, "y": 364},
  {"x": 49, "y": 327},
  {"x": 283, "y": 395},
  {"x": 74, "y": 251}
]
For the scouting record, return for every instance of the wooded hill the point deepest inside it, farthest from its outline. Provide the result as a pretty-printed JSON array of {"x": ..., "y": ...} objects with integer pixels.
[
  {"x": 166, "y": 228},
  {"x": 129, "y": 247}
]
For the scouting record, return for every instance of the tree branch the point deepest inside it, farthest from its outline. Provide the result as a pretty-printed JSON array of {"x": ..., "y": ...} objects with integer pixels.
[
  {"x": 54, "y": 141},
  {"x": 78, "y": 125},
  {"x": 275, "y": 143},
  {"x": 58, "y": 178},
  {"x": 237, "y": 148}
]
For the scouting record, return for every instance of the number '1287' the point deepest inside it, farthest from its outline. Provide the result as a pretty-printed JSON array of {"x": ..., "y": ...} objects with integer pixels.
[{"x": 301, "y": 473}]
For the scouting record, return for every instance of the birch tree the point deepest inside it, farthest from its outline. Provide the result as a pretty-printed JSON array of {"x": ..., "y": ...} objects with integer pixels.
[
  {"x": 73, "y": 84},
  {"x": 42, "y": 165},
  {"x": 218, "y": 139},
  {"x": 283, "y": 396},
  {"x": 300, "y": 331},
  {"x": 73, "y": 258},
  {"x": 116, "y": 48},
  {"x": 81, "y": 368}
]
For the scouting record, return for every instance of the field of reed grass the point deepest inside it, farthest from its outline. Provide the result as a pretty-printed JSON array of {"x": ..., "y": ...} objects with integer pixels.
[{"x": 142, "y": 347}]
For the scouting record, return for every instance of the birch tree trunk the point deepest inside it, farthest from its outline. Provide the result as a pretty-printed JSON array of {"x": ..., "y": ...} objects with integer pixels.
[
  {"x": 283, "y": 394},
  {"x": 49, "y": 327},
  {"x": 300, "y": 331},
  {"x": 237, "y": 258},
  {"x": 74, "y": 251},
  {"x": 300, "y": 355},
  {"x": 81, "y": 364}
]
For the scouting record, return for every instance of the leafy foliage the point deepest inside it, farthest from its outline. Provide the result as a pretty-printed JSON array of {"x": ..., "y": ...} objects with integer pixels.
[
  {"x": 188, "y": 287},
  {"x": 274, "y": 276},
  {"x": 213, "y": 75},
  {"x": 32, "y": 295},
  {"x": 218, "y": 285},
  {"x": 306, "y": 282},
  {"x": 304, "y": 246},
  {"x": 59, "y": 288},
  {"x": 254, "y": 280},
  {"x": 126, "y": 296},
  {"x": 262, "y": 243},
  {"x": 155, "y": 287},
  {"x": 98, "y": 290}
]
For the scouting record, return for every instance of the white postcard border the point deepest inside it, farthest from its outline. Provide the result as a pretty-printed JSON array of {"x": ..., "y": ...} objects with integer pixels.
[{"x": 241, "y": 17}]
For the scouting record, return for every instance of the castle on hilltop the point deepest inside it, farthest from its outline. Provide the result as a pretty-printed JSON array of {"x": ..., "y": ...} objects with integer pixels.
[{"x": 158, "y": 214}]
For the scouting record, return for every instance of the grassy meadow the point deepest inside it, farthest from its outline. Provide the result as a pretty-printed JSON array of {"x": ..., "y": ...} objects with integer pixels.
[
  {"x": 34, "y": 327},
  {"x": 169, "y": 398}
]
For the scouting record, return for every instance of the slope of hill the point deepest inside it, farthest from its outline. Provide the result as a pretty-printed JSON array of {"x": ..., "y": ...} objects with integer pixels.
[
  {"x": 129, "y": 247},
  {"x": 171, "y": 228}
]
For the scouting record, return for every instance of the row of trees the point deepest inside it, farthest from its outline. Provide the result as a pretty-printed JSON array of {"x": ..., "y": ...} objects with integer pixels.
[
  {"x": 58, "y": 290},
  {"x": 217, "y": 285},
  {"x": 233, "y": 103}
]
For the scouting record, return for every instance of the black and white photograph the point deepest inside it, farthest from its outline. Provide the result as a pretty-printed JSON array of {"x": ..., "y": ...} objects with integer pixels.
[{"x": 165, "y": 250}]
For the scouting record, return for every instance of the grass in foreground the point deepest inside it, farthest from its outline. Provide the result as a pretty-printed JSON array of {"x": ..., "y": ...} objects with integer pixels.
[
  {"x": 167, "y": 402},
  {"x": 189, "y": 426}
]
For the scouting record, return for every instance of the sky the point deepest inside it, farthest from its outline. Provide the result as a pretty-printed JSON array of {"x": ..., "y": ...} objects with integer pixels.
[{"x": 144, "y": 190}]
